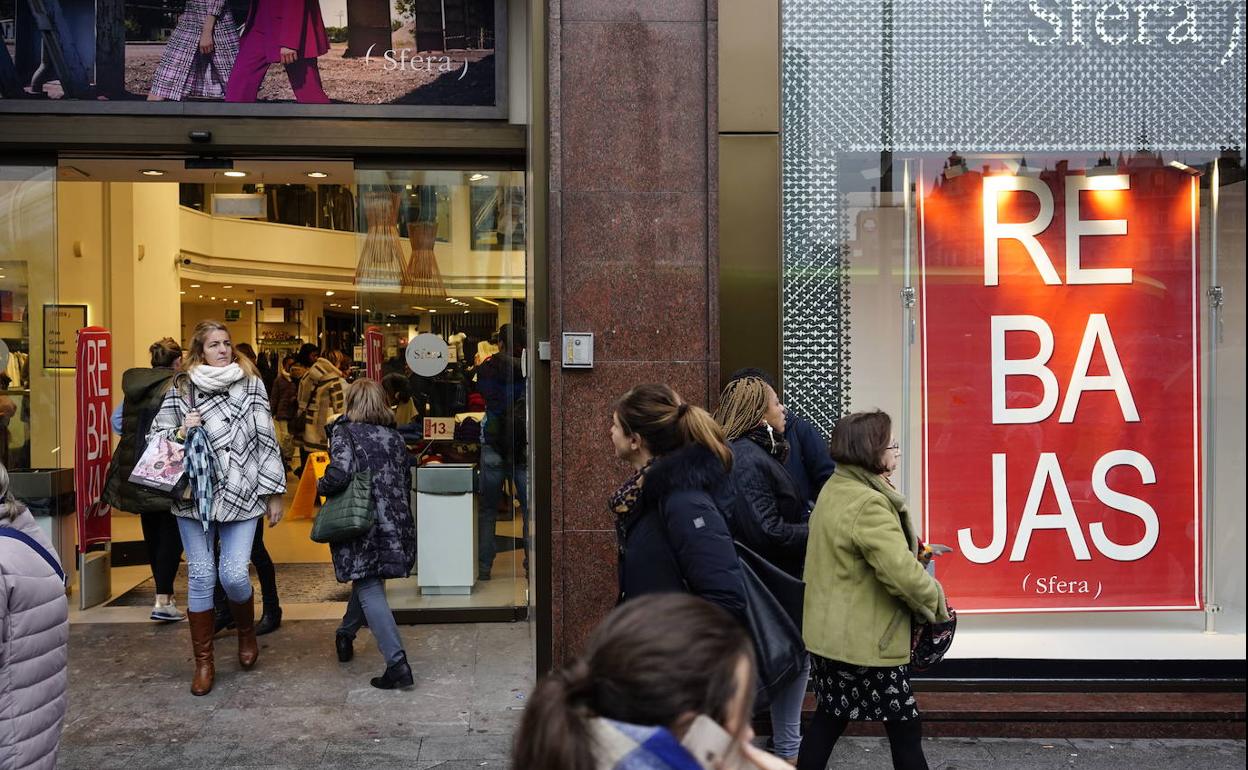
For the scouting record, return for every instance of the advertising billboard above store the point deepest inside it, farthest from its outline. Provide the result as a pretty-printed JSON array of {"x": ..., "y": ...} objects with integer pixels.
[
  {"x": 339, "y": 58},
  {"x": 1061, "y": 458}
]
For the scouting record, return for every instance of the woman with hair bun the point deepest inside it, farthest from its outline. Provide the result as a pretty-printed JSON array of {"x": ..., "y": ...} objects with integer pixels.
[
  {"x": 666, "y": 683},
  {"x": 673, "y": 535},
  {"x": 219, "y": 408}
]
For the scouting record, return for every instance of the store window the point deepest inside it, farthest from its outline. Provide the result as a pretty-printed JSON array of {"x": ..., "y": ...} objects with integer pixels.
[
  {"x": 1001, "y": 228},
  {"x": 328, "y": 273}
]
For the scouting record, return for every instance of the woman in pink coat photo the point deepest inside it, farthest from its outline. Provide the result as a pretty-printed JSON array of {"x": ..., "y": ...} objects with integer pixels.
[{"x": 287, "y": 31}]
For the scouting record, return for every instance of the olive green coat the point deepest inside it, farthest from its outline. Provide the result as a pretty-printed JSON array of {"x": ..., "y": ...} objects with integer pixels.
[{"x": 863, "y": 580}]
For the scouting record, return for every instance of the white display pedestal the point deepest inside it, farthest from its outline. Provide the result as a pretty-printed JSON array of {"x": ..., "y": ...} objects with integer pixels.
[{"x": 446, "y": 529}]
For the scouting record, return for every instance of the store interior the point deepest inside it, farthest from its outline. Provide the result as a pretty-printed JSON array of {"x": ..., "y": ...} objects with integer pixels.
[{"x": 284, "y": 253}]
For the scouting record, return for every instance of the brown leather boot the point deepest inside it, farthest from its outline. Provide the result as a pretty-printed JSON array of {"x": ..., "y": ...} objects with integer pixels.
[
  {"x": 201, "y": 624},
  {"x": 245, "y": 618}
]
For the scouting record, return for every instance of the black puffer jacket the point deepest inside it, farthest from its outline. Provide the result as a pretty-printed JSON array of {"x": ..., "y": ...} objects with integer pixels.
[
  {"x": 144, "y": 390},
  {"x": 774, "y": 524},
  {"x": 677, "y": 539}
]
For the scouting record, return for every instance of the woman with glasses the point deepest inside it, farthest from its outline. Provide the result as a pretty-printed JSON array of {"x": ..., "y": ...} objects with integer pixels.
[{"x": 864, "y": 585}]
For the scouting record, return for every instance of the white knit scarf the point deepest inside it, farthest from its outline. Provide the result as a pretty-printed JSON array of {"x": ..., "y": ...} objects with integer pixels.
[{"x": 215, "y": 379}]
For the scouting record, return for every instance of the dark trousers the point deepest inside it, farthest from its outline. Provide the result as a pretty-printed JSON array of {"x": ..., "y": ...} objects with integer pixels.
[
  {"x": 164, "y": 548},
  {"x": 905, "y": 741},
  {"x": 265, "y": 571}
]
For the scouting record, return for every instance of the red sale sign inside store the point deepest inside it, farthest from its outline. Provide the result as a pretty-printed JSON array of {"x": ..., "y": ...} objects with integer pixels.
[
  {"x": 92, "y": 448},
  {"x": 373, "y": 352},
  {"x": 1060, "y": 389}
]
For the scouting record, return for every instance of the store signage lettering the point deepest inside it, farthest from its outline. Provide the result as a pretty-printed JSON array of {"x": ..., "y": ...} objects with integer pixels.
[
  {"x": 92, "y": 446},
  {"x": 404, "y": 60},
  {"x": 1080, "y": 22},
  {"x": 1060, "y": 389}
]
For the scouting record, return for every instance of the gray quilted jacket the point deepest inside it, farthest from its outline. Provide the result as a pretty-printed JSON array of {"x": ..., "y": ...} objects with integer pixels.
[{"x": 34, "y": 632}]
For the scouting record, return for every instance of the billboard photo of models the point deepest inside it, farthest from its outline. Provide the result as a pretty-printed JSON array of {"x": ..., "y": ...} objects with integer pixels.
[{"x": 401, "y": 52}]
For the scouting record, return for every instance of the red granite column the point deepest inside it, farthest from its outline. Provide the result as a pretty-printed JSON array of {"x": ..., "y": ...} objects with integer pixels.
[{"x": 632, "y": 258}]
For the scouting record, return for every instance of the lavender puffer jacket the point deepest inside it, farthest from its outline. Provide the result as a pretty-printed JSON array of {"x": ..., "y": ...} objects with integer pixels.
[{"x": 34, "y": 633}]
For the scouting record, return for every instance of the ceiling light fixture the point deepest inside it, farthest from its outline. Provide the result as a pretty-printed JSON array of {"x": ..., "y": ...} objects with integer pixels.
[
  {"x": 433, "y": 310},
  {"x": 228, "y": 286},
  {"x": 317, "y": 174},
  {"x": 152, "y": 172},
  {"x": 355, "y": 307},
  {"x": 181, "y": 292},
  {"x": 329, "y": 293},
  {"x": 249, "y": 302},
  {"x": 194, "y": 286},
  {"x": 478, "y": 177},
  {"x": 235, "y": 174},
  {"x": 486, "y": 301}
]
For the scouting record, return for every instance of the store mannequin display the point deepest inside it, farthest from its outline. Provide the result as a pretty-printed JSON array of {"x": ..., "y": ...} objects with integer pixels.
[{"x": 501, "y": 381}]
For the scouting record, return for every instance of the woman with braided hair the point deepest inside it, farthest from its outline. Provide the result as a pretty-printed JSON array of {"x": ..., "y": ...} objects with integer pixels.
[
  {"x": 666, "y": 683},
  {"x": 774, "y": 524},
  {"x": 670, "y": 515}
]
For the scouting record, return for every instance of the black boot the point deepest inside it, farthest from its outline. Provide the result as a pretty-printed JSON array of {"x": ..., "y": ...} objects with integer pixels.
[
  {"x": 396, "y": 675},
  {"x": 344, "y": 644},
  {"x": 270, "y": 619}
]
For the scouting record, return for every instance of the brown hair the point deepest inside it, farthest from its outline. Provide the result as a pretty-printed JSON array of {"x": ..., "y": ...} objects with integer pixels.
[
  {"x": 742, "y": 406},
  {"x": 657, "y": 414},
  {"x": 196, "y": 357},
  {"x": 165, "y": 351},
  {"x": 247, "y": 350},
  {"x": 861, "y": 439},
  {"x": 366, "y": 403},
  {"x": 653, "y": 661},
  {"x": 340, "y": 360}
]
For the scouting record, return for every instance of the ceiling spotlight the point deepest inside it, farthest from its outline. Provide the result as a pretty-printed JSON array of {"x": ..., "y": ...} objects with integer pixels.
[
  {"x": 249, "y": 302},
  {"x": 433, "y": 310},
  {"x": 181, "y": 292},
  {"x": 467, "y": 311},
  {"x": 418, "y": 307},
  {"x": 486, "y": 301},
  {"x": 355, "y": 307},
  {"x": 235, "y": 174},
  {"x": 152, "y": 172},
  {"x": 194, "y": 286},
  {"x": 317, "y": 174},
  {"x": 210, "y": 298},
  {"x": 478, "y": 177},
  {"x": 329, "y": 294},
  {"x": 201, "y": 296},
  {"x": 228, "y": 286}
]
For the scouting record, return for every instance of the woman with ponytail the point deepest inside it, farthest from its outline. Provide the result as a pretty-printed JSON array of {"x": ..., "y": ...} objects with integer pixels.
[
  {"x": 774, "y": 522},
  {"x": 670, "y": 514},
  {"x": 666, "y": 683}
]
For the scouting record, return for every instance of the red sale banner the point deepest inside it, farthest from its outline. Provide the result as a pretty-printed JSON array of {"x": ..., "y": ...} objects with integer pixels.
[
  {"x": 1061, "y": 388},
  {"x": 373, "y": 352},
  {"x": 92, "y": 448}
]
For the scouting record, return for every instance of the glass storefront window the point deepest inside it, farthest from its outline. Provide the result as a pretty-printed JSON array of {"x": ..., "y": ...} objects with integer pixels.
[
  {"x": 1007, "y": 235},
  {"x": 291, "y": 256}
]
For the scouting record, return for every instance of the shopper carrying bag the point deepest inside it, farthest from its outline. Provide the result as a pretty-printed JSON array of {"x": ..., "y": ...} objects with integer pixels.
[
  {"x": 237, "y": 476},
  {"x": 865, "y": 587},
  {"x": 367, "y": 483}
]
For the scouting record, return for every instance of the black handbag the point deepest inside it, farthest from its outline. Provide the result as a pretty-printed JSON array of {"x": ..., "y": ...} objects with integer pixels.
[{"x": 778, "y": 647}]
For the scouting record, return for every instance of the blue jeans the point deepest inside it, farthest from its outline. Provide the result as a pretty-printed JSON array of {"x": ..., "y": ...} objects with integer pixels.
[
  {"x": 786, "y": 714},
  {"x": 494, "y": 471},
  {"x": 203, "y": 569},
  {"x": 368, "y": 603}
]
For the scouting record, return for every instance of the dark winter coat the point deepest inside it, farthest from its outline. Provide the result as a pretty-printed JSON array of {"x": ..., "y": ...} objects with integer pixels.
[
  {"x": 284, "y": 397},
  {"x": 775, "y": 525},
  {"x": 144, "y": 390},
  {"x": 809, "y": 463},
  {"x": 677, "y": 539},
  {"x": 388, "y": 550}
]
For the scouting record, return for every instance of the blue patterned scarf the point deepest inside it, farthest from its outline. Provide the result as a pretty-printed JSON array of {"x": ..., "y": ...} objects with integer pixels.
[{"x": 201, "y": 466}]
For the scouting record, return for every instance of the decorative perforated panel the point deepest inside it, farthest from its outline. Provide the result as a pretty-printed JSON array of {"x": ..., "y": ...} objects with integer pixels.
[{"x": 912, "y": 76}]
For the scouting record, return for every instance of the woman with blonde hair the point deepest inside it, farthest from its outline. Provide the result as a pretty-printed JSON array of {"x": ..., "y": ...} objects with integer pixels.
[
  {"x": 364, "y": 439},
  {"x": 219, "y": 410},
  {"x": 672, "y": 532},
  {"x": 773, "y": 523}
]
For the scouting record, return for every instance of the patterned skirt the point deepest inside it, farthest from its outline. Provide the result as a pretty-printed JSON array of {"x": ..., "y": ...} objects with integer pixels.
[
  {"x": 185, "y": 73},
  {"x": 863, "y": 693}
]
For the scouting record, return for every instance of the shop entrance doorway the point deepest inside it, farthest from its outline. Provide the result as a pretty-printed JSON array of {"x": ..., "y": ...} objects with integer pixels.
[{"x": 309, "y": 263}]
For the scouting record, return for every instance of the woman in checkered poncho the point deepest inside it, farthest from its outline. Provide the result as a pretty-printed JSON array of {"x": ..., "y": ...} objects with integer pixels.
[{"x": 219, "y": 409}]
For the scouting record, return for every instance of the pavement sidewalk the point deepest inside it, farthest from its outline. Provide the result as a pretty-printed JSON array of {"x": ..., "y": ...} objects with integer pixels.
[{"x": 130, "y": 707}]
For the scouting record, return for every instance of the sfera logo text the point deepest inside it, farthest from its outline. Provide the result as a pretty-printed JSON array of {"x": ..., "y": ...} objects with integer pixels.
[{"x": 403, "y": 60}]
